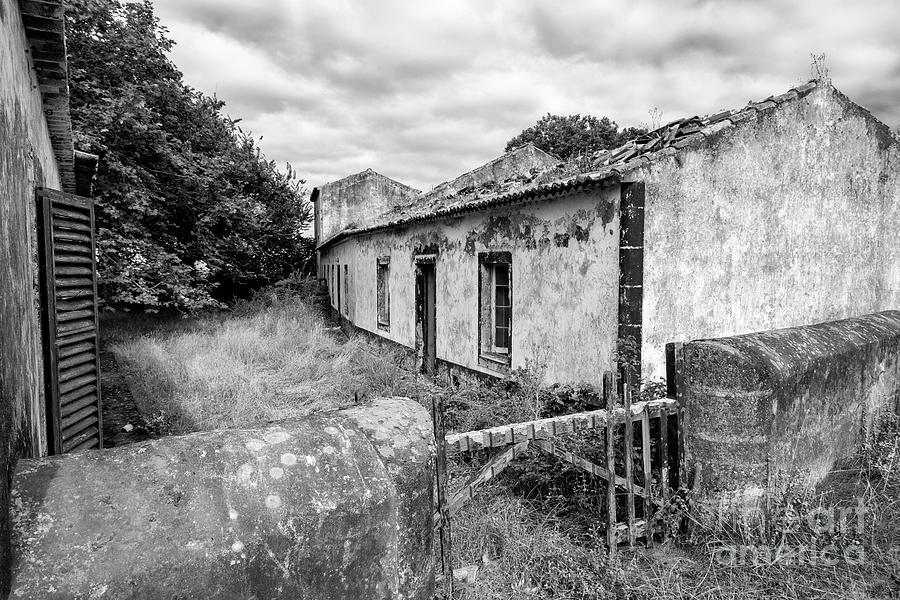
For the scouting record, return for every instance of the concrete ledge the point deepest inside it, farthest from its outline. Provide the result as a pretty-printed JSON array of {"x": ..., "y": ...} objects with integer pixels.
[
  {"x": 335, "y": 506},
  {"x": 781, "y": 406}
]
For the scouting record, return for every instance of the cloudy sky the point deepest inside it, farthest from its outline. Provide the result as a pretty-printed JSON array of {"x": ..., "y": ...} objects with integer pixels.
[{"x": 422, "y": 91}]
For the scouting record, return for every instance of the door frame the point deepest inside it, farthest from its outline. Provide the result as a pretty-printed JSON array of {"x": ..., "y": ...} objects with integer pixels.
[{"x": 426, "y": 345}]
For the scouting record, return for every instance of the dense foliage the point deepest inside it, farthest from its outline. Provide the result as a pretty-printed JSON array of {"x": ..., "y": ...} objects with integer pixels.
[
  {"x": 574, "y": 136},
  {"x": 189, "y": 212}
]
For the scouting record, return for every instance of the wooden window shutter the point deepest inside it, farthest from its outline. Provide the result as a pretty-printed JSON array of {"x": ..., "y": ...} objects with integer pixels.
[{"x": 68, "y": 280}]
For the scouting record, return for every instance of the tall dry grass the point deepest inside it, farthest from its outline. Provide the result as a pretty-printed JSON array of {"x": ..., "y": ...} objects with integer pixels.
[{"x": 273, "y": 359}]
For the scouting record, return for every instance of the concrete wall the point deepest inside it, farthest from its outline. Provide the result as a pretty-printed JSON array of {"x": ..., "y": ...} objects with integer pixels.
[
  {"x": 332, "y": 506},
  {"x": 789, "y": 219},
  {"x": 26, "y": 161},
  {"x": 356, "y": 201},
  {"x": 768, "y": 409},
  {"x": 564, "y": 281}
]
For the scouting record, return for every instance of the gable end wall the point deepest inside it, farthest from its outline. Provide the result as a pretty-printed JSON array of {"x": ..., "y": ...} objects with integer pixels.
[
  {"x": 786, "y": 220},
  {"x": 357, "y": 201}
]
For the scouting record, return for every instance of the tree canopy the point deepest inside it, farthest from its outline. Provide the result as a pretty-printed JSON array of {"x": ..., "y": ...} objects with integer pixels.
[
  {"x": 190, "y": 214},
  {"x": 573, "y": 136}
]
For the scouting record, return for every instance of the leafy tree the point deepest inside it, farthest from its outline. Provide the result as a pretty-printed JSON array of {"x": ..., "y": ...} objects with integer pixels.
[
  {"x": 573, "y": 136},
  {"x": 189, "y": 212}
]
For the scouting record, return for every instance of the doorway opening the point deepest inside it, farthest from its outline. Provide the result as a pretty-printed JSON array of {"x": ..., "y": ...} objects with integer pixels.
[{"x": 426, "y": 292}]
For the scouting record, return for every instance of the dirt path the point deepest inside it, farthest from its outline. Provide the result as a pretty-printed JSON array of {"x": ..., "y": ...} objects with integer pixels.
[{"x": 119, "y": 409}]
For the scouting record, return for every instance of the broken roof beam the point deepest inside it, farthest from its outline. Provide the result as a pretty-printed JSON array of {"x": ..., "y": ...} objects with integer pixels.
[
  {"x": 48, "y": 9},
  {"x": 44, "y": 23}
]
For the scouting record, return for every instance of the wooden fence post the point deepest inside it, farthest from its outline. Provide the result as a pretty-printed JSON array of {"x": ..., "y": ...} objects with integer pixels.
[
  {"x": 679, "y": 411},
  {"x": 648, "y": 474},
  {"x": 609, "y": 386},
  {"x": 437, "y": 415},
  {"x": 664, "y": 458},
  {"x": 629, "y": 459}
]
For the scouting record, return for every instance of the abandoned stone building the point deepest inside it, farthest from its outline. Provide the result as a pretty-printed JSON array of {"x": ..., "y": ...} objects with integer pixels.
[{"x": 781, "y": 213}]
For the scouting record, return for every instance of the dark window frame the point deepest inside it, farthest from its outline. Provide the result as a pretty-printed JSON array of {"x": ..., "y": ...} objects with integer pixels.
[
  {"x": 383, "y": 293},
  {"x": 490, "y": 354},
  {"x": 346, "y": 291}
]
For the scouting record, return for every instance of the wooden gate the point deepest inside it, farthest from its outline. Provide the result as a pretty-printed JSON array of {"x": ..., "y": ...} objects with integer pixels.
[
  {"x": 68, "y": 279},
  {"x": 660, "y": 472}
]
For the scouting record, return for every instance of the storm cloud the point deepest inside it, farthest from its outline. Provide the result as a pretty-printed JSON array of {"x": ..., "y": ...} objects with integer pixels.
[{"x": 423, "y": 91}]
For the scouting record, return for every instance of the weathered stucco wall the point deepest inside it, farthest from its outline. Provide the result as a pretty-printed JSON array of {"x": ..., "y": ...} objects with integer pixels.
[
  {"x": 333, "y": 506},
  {"x": 788, "y": 219},
  {"x": 26, "y": 160},
  {"x": 564, "y": 281},
  {"x": 770, "y": 409},
  {"x": 355, "y": 201}
]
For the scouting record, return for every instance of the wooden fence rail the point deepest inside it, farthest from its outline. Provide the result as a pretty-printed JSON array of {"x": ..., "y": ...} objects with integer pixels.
[{"x": 544, "y": 429}]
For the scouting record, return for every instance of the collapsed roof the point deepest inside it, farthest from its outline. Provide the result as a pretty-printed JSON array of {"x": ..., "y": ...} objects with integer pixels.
[{"x": 604, "y": 167}]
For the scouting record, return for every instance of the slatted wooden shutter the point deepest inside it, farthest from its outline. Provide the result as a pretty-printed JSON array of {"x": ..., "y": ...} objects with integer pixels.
[{"x": 69, "y": 311}]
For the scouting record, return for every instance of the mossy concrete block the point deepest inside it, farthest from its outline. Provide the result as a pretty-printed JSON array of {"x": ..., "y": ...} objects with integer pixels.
[
  {"x": 335, "y": 506},
  {"x": 770, "y": 409}
]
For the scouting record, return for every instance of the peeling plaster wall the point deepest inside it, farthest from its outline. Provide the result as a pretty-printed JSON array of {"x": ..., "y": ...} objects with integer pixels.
[
  {"x": 26, "y": 161},
  {"x": 769, "y": 410},
  {"x": 565, "y": 276},
  {"x": 789, "y": 219},
  {"x": 356, "y": 201}
]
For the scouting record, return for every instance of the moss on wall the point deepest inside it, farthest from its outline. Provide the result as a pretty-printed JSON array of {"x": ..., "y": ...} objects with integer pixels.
[{"x": 777, "y": 408}]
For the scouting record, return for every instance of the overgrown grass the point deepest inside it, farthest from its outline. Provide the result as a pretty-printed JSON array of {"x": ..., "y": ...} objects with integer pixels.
[
  {"x": 526, "y": 550},
  {"x": 522, "y": 552},
  {"x": 272, "y": 358},
  {"x": 278, "y": 356}
]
